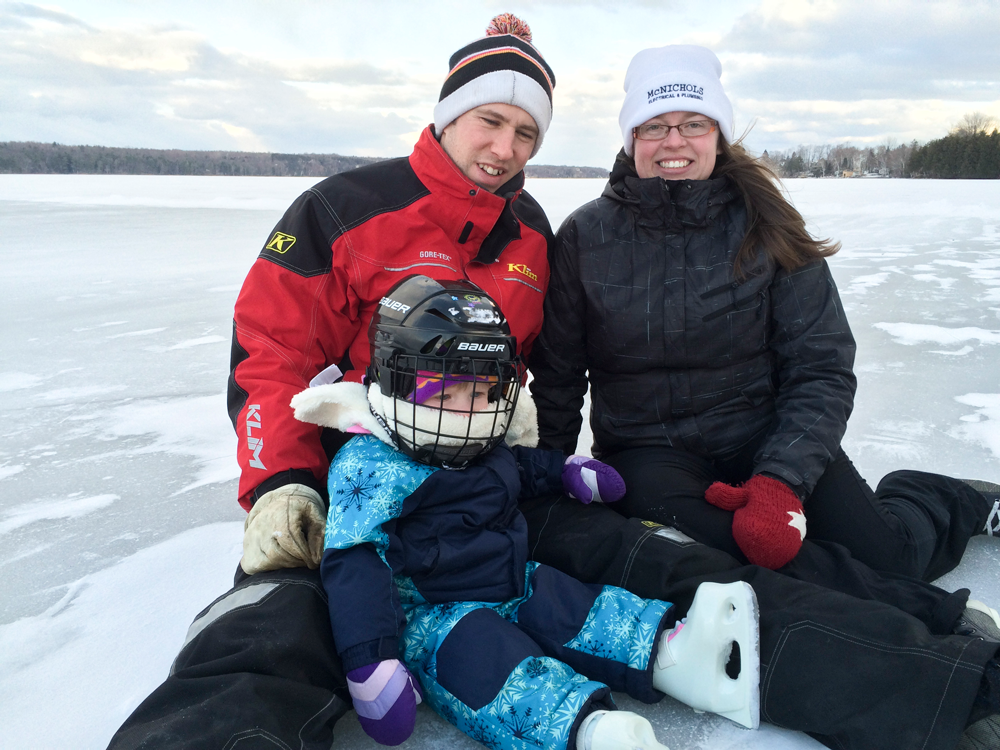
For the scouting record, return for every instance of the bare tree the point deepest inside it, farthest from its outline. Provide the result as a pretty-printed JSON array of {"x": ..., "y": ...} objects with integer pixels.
[{"x": 975, "y": 123}]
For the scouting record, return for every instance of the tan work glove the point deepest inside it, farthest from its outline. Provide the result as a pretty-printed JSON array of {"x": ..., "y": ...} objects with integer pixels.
[{"x": 284, "y": 529}]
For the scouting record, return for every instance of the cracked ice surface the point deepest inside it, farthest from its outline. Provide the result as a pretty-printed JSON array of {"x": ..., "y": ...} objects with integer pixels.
[{"x": 118, "y": 519}]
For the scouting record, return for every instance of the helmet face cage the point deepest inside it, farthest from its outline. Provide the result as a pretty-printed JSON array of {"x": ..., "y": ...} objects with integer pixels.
[
  {"x": 445, "y": 362},
  {"x": 437, "y": 430}
]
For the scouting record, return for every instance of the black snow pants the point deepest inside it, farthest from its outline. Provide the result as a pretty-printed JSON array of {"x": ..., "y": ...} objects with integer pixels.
[
  {"x": 874, "y": 670},
  {"x": 914, "y": 522},
  {"x": 258, "y": 671},
  {"x": 865, "y": 661}
]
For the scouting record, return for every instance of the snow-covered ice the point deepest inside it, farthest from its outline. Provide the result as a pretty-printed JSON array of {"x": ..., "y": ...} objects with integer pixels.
[{"x": 118, "y": 519}]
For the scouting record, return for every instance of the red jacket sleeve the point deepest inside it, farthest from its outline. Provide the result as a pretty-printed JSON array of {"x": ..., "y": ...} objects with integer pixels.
[{"x": 294, "y": 315}]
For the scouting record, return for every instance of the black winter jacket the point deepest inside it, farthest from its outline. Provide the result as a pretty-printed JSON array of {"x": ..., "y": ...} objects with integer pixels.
[{"x": 680, "y": 352}]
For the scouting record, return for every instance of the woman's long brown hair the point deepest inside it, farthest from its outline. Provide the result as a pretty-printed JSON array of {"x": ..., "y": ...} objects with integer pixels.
[{"x": 772, "y": 222}]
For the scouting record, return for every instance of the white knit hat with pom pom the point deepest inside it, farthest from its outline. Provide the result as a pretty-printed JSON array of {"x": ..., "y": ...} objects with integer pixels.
[{"x": 502, "y": 67}]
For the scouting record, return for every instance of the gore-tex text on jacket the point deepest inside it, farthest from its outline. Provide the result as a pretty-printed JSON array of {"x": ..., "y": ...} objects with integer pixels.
[
  {"x": 308, "y": 299},
  {"x": 679, "y": 350}
]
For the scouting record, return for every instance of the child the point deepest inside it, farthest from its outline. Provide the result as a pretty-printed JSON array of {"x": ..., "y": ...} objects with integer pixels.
[{"x": 426, "y": 561}]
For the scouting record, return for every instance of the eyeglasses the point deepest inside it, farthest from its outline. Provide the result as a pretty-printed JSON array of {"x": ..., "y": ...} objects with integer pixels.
[{"x": 657, "y": 131}]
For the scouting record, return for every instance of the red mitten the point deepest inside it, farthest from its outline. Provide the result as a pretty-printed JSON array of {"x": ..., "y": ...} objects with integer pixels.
[{"x": 768, "y": 522}]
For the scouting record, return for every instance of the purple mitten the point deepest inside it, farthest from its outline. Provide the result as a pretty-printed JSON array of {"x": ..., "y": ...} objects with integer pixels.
[
  {"x": 587, "y": 479},
  {"x": 385, "y": 696}
]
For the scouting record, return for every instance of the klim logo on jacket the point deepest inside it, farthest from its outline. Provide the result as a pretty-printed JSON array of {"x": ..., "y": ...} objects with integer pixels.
[
  {"x": 522, "y": 269},
  {"x": 255, "y": 444},
  {"x": 280, "y": 243}
]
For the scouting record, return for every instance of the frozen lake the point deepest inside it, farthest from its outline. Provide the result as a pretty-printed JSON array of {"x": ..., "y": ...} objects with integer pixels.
[{"x": 118, "y": 513}]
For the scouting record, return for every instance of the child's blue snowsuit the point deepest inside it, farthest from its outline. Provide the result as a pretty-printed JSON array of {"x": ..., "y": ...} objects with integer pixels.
[{"x": 430, "y": 566}]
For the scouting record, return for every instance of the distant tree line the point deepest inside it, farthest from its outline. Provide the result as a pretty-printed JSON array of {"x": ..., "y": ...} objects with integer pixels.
[
  {"x": 970, "y": 151},
  {"x": 53, "y": 158},
  {"x": 888, "y": 159},
  {"x": 548, "y": 170}
]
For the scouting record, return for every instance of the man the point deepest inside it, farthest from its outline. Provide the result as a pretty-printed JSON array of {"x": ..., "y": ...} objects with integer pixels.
[
  {"x": 454, "y": 209},
  {"x": 259, "y": 666}
]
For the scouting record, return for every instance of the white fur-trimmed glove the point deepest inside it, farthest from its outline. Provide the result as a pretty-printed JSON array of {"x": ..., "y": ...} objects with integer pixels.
[{"x": 284, "y": 529}]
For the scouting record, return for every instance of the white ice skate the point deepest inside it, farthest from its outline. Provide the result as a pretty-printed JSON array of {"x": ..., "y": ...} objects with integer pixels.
[
  {"x": 692, "y": 658},
  {"x": 616, "y": 730}
]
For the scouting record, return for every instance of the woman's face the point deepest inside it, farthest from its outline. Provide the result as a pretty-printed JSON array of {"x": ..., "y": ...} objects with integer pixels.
[{"x": 677, "y": 157}]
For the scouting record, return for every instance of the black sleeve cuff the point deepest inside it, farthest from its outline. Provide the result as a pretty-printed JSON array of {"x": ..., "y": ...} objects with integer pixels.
[
  {"x": 292, "y": 476},
  {"x": 368, "y": 653}
]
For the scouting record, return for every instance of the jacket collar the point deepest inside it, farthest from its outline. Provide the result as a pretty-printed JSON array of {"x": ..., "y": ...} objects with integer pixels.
[
  {"x": 668, "y": 203},
  {"x": 462, "y": 202}
]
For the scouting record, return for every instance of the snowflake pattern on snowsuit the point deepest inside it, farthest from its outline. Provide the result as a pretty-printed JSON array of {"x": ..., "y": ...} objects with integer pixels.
[
  {"x": 620, "y": 620},
  {"x": 541, "y": 698},
  {"x": 368, "y": 483}
]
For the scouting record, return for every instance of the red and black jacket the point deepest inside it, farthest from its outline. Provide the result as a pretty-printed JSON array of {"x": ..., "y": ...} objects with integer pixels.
[{"x": 307, "y": 300}]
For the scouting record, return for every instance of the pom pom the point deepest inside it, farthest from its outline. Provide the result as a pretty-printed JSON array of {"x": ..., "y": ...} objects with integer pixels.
[{"x": 508, "y": 23}]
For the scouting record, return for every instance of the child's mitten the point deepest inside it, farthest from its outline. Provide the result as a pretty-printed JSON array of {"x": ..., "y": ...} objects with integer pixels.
[
  {"x": 385, "y": 696},
  {"x": 768, "y": 521},
  {"x": 587, "y": 479}
]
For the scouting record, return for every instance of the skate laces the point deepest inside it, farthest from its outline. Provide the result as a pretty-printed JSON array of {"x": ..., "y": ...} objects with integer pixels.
[
  {"x": 993, "y": 520},
  {"x": 979, "y": 620}
]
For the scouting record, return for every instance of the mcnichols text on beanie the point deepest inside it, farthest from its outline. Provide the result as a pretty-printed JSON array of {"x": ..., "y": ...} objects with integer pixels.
[
  {"x": 501, "y": 68},
  {"x": 676, "y": 78}
]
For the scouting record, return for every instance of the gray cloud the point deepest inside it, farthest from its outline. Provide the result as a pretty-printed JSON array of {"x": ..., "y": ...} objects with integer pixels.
[
  {"x": 12, "y": 15},
  {"x": 166, "y": 87},
  {"x": 867, "y": 50},
  {"x": 810, "y": 72}
]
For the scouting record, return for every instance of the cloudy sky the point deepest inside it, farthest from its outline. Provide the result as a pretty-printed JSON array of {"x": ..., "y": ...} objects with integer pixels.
[{"x": 361, "y": 76}]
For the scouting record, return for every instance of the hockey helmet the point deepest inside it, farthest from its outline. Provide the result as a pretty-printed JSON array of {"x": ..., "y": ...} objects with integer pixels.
[{"x": 427, "y": 336}]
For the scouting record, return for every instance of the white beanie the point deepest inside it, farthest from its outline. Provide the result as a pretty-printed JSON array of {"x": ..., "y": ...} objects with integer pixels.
[{"x": 675, "y": 78}]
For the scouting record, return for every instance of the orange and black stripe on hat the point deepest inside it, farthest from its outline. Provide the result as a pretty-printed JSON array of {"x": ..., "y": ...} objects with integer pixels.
[{"x": 502, "y": 67}]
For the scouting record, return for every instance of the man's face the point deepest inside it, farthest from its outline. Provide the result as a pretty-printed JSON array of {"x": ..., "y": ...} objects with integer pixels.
[{"x": 491, "y": 143}]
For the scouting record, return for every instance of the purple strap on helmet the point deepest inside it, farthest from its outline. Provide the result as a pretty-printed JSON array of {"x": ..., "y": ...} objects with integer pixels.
[{"x": 430, "y": 384}]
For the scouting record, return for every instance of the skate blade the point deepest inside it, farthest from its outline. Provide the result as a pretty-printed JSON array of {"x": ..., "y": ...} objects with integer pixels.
[
  {"x": 692, "y": 667},
  {"x": 749, "y": 641}
]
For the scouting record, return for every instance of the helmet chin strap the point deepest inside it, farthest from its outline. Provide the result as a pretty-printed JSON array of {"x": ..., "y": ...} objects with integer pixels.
[{"x": 380, "y": 419}]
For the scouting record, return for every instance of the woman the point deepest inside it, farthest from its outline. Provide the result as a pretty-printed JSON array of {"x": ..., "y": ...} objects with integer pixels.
[{"x": 717, "y": 350}]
